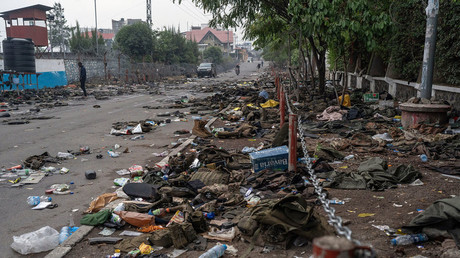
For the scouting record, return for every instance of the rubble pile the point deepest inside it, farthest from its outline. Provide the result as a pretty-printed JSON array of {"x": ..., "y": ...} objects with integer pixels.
[{"x": 231, "y": 183}]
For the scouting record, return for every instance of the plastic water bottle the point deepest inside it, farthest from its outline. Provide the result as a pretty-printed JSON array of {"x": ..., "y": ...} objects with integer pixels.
[
  {"x": 158, "y": 212},
  {"x": 409, "y": 239},
  {"x": 64, "y": 234},
  {"x": 35, "y": 200},
  {"x": 423, "y": 158},
  {"x": 138, "y": 137},
  {"x": 215, "y": 252},
  {"x": 113, "y": 154},
  {"x": 349, "y": 157},
  {"x": 22, "y": 172}
]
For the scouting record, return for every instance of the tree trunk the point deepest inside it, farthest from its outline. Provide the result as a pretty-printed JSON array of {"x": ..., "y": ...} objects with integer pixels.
[
  {"x": 319, "y": 57},
  {"x": 312, "y": 73},
  {"x": 345, "y": 82},
  {"x": 322, "y": 72}
]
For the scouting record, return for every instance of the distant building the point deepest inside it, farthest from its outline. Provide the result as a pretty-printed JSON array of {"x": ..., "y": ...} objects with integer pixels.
[
  {"x": 246, "y": 45},
  {"x": 241, "y": 54},
  {"x": 117, "y": 25},
  {"x": 108, "y": 35},
  {"x": 28, "y": 23},
  {"x": 206, "y": 37}
]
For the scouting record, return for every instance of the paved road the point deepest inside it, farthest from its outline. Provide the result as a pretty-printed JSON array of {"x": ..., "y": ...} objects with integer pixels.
[{"x": 78, "y": 125}]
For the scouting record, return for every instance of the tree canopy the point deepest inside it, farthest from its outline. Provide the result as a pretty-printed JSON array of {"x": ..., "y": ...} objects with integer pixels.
[
  {"x": 59, "y": 32},
  {"x": 316, "y": 25},
  {"x": 213, "y": 54},
  {"x": 83, "y": 43},
  {"x": 173, "y": 48},
  {"x": 136, "y": 40},
  {"x": 139, "y": 41}
]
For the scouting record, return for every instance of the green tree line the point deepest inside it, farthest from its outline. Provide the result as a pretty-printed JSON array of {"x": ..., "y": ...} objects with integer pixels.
[
  {"x": 168, "y": 46},
  {"x": 140, "y": 43},
  {"x": 302, "y": 34}
]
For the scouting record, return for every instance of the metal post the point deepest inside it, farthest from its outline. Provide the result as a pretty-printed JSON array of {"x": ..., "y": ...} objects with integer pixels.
[
  {"x": 282, "y": 107},
  {"x": 95, "y": 18},
  {"x": 430, "y": 46},
  {"x": 277, "y": 84},
  {"x": 105, "y": 66},
  {"x": 292, "y": 166},
  {"x": 149, "y": 12}
]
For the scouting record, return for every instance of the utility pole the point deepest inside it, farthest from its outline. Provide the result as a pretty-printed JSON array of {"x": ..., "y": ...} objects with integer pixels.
[
  {"x": 95, "y": 18},
  {"x": 149, "y": 12},
  {"x": 430, "y": 48},
  {"x": 228, "y": 43}
]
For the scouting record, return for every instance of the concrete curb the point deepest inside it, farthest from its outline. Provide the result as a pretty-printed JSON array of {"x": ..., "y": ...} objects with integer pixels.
[
  {"x": 84, "y": 230},
  {"x": 67, "y": 245}
]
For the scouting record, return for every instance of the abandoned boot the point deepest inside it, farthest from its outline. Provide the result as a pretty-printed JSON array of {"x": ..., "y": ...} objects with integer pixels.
[{"x": 200, "y": 130}]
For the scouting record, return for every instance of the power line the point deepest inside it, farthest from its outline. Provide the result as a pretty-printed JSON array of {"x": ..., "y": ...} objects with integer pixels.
[
  {"x": 196, "y": 9},
  {"x": 187, "y": 6},
  {"x": 189, "y": 13}
]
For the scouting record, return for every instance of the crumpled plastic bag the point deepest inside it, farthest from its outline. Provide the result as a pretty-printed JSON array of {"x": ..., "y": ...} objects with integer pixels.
[
  {"x": 136, "y": 219},
  {"x": 270, "y": 103},
  {"x": 382, "y": 137},
  {"x": 44, "y": 239},
  {"x": 101, "y": 201},
  {"x": 137, "y": 129}
]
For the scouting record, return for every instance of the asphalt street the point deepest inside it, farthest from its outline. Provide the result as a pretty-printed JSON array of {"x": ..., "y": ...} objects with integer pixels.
[{"x": 75, "y": 126}]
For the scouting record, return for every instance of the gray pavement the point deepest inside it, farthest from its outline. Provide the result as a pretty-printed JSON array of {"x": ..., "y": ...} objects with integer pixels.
[{"x": 78, "y": 125}]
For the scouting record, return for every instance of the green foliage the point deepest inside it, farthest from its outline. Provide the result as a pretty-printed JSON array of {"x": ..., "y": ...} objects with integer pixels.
[
  {"x": 405, "y": 41},
  {"x": 447, "y": 59},
  {"x": 266, "y": 29},
  {"x": 59, "y": 32},
  {"x": 79, "y": 42},
  {"x": 275, "y": 54},
  {"x": 173, "y": 48},
  {"x": 343, "y": 27},
  {"x": 334, "y": 60},
  {"x": 84, "y": 43},
  {"x": 213, "y": 54},
  {"x": 233, "y": 13},
  {"x": 136, "y": 40}
]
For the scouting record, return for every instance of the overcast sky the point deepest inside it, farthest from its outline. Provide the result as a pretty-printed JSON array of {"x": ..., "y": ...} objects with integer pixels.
[{"x": 164, "y": 12}]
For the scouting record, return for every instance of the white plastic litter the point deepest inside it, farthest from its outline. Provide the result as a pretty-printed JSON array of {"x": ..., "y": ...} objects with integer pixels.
[
  {"x": 417, "y": 182},
  {"x": 176, "y": 253},
  {"x": 137, "y": 129},
  {"x": 123, "y": 172},
  {"x": 107, "y": 231},
  {"x": 130, "y": 233},
  {"x": 41, "y": 205},
  {"x": 231, "y": 250},
  {"x": 65, "y": 155},
  {"x": 383, "y": 136},
  {"x": 120, "y": 207},
  {"x": 44, "y": 239}
]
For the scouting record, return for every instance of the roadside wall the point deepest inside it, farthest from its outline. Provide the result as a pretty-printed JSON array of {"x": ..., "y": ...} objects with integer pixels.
[
  {"x": 403, "y": 90},
  {"x": 52, "y": 73},
  {"x": 94, "y": 69}
]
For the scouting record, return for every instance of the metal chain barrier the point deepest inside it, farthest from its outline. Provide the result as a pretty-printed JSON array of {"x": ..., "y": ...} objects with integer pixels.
[{"x": 333, "y": 220}]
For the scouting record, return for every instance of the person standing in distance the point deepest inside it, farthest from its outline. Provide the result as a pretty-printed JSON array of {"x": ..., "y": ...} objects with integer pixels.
[{"x": 82, "y": 77}]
